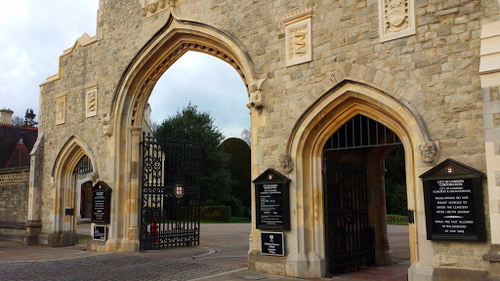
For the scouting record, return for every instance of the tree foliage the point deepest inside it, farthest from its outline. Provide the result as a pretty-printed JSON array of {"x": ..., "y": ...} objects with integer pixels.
[
  {"x": 395, "y": 182},
  {"x": 18, "y": 121},
  {"x": 29, "y": 118},
  {"x": 239, "y": 166},
  {"x": 193, "y": 126},
  {"x": 246, "y": 136}
]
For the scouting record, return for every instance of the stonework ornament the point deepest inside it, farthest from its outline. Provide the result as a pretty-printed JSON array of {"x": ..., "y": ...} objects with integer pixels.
[
  {"x": 150, "y": 8},
  {"x": 94, "y": 177},
  {"x": 428, "y": 152},
  {"x": 107, "y": 126},
  {"x": 61, "y": 109},
  {"x": 298, "y": 36},
  {"x": 396, "y": 19},
  {"x": 256, "y": 99},
  {"x": 286, "y": 163},
  {"x": 91, "y": 99}
]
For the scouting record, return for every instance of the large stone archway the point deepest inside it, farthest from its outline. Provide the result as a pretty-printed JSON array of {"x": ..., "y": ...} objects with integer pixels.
[
  {"x": 322, "y": 64},
  {"x": 305, "y": 146},
  {"x": 136, "y": 84},
  {"x": 65, "y": 202}
]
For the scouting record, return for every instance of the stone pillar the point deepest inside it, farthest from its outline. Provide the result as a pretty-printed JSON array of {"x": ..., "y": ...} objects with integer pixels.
[
  {"x": 490, "y": 81},
  {"x": 132, "y": 244},
  {"x": 34, "y": 223}
]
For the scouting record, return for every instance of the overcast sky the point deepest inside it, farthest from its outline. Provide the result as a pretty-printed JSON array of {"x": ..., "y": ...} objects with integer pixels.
[{"x": 34, "y": 33}]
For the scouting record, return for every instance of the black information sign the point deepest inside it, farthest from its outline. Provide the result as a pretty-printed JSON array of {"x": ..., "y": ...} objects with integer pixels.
[
  {"x": 101, "y": 203},
  {"x": 454, "y": 203},
  {"x": 99, "y": 233},
  {"x": 272, "y": 201},
  {"x": 272, "y": 243}
]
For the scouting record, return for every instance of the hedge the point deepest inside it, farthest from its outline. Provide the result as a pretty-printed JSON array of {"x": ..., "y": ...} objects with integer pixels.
[
  {"x": 215, "y": 213},
  {"x": 397, "y": 218}
]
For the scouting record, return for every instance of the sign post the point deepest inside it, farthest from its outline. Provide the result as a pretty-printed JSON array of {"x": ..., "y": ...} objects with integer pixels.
[{"x": 453, "y": 198}]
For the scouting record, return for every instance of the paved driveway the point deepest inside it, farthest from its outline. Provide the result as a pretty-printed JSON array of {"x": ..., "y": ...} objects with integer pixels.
[{"x": 222, "y": 255}]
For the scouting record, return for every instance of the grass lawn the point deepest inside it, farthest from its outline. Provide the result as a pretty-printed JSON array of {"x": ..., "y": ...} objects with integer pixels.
[
  {"x": 398, "y": 223},
  {"x": 232, "y": 220}
]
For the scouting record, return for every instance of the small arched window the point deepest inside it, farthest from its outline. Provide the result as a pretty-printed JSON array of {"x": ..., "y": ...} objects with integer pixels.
[{"x": 84, "y": 166}]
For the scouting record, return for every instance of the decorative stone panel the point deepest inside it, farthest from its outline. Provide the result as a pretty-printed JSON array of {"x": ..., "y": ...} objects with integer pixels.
[
  {"x": 61, "y": 109},
  {"x": 396, "y": 19},
  {"x": 298, "y": 36},
  {"x": 91, "y": 99},
  {"x": 150, "y": 8}
]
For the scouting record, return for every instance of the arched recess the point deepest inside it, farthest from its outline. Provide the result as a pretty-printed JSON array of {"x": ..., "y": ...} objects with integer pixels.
[
  {"x": 305, "y": 146},
  {"x": 63, "y": 225},
  {"x": 173, "y": 40}
]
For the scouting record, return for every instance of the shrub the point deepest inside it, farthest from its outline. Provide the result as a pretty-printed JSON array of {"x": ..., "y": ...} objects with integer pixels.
[{"x": 215, "y": 213}]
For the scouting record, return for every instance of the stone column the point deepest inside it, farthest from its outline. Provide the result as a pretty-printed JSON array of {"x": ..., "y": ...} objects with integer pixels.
[
  {"x": 490, "y": 81},
  {"x": 34, "y": 223},
  {"x": 132, "y": 244}
]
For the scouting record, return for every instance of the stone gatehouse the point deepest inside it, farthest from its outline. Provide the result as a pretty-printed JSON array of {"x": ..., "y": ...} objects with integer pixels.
[{"x": 426, "y": 71}]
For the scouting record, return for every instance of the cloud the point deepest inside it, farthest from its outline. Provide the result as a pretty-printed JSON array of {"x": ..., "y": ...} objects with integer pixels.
[
  {"x": 208, "y": 82},
  {"x": 33, "y": 34}
]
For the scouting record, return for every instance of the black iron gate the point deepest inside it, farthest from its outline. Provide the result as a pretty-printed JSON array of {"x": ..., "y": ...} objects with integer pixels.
[
  {"x": 170, "y": 208},
  {"x": 349, "y": 238}
]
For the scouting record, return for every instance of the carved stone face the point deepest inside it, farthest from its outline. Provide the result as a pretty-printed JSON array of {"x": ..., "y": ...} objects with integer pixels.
[
  {"x": 286, "y": 163},
  {"x": 428, "y": 152}
]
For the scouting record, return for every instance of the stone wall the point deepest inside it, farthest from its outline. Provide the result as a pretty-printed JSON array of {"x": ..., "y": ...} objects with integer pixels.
[
  {"x": 434, "y": 72},
  {"x": 14, "y": 192}
]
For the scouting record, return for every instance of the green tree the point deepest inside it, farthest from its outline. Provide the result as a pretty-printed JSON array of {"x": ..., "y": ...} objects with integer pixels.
[
  {"x": 395, "y": 182},
  {"x": 29, "y": 118},
  {"x": 193, "y": 126},
  {"x": 239, "y": 166}
]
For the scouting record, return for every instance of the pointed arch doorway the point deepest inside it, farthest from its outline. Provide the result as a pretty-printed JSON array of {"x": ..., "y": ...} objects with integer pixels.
[{"x": 354, "y": 193}]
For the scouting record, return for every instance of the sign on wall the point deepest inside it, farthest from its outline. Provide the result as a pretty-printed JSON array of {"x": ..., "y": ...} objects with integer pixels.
[
  {"x": 99, "y": 233},
  {"x": 272, "y": 243},
  {"x": 101, "y": 203},
  {"x": 453, "y": 198},
  {"x": 272, "y": 201}
]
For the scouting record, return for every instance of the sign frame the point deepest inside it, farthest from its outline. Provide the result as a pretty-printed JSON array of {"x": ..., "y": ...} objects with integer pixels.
[
  {"x": 270, "y": 235},
  {"x": 282, "y": 194},
  {"x": 103, "y": 212},
  {"x": 103, "y": 231},
  {"x": 471, "y": 179}
]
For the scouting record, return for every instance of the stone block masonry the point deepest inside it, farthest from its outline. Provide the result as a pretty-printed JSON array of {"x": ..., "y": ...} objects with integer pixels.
[{"x": 14, "y": 192}]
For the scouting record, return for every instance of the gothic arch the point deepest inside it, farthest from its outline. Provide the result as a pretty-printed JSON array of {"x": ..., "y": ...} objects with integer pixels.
[
  {"x": 63, "y": 225},
  {"x": 305, "y": 146},
  {"x": 173, "y": 40}
]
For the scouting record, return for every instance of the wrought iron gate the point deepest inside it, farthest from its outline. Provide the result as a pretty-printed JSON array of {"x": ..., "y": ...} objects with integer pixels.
[
  {"x": 348, "y": 236},
  {"x": 170, "y": 208}
]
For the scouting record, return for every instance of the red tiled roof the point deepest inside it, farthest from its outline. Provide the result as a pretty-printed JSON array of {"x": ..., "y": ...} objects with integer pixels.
[
  {"x": 20, "y": 157},
  {"x": 12, "y": 153}
]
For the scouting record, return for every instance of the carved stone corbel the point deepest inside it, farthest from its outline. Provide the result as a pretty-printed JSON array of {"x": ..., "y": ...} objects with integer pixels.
[
  {"x": 429, "y": 152},
  {"x": 256, "y": 99},
  {"x": 107, "y": 126},
  {"x": 286, "y": 163},
  {"x": 94, "y": 177}
]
